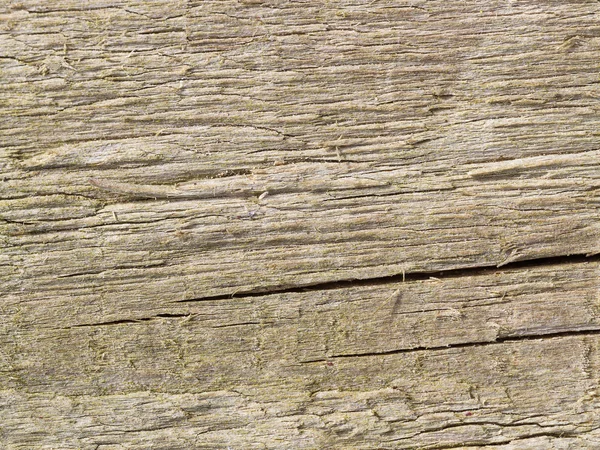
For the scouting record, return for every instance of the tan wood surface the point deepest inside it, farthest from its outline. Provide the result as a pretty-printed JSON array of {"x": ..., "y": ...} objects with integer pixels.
[{"x": 268, "y": 224}]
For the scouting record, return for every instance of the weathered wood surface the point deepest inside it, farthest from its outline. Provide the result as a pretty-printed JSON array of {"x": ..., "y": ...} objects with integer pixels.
[
  {"x": 370, "y": 366},
  {"x": 218, "y": 220}
]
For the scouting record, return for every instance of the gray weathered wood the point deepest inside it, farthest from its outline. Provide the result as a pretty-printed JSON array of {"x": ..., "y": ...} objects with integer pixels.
[
  {"x": 418, "y": 364},
  {"x": 173, "y": 174}
]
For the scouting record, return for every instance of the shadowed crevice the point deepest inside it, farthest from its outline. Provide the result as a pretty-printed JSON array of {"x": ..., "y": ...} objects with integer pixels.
[
  {"x": 501, "y": 340},
  {"x": 406, "y": 277}
]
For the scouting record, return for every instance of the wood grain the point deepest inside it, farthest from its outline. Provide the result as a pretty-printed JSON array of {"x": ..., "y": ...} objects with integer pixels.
[
  {"x": 498, "y": 357},
  {"x": 389, "y": 138},
  {"x": 207, "y": 209}
]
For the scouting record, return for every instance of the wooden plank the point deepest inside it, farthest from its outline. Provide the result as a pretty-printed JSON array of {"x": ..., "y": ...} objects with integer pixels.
[
  {"x": 336, "y": 223},
  {"x": 491, "y": 358},
  {"x": 391, "y": 82},
  {"x": 190, "y": 190},
  {"x": 389, "y": 139}
]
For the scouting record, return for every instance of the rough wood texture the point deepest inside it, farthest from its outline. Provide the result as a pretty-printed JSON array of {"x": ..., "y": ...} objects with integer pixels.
[
  {"x": 502, "y": 357},
  {"x": 218, "y": 222}
]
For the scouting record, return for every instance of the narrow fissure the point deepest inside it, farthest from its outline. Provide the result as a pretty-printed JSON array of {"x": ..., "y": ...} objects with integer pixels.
[
  {"x": 500, "y": 340},
  {"x": 406, "y": 277},
  {"x": 123, "y": 321}
]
